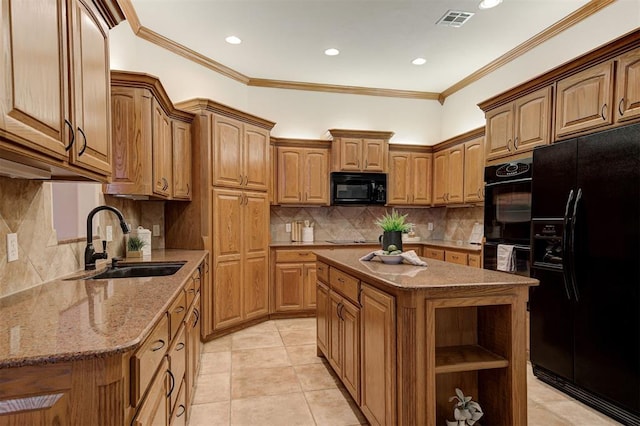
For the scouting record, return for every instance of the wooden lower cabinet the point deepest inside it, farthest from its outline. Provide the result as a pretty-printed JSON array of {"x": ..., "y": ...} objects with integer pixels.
[
  {"x": 294, "y": 278},
  {"x": 455, "y": 257},
  {"x": 194, "y": 349},
  {"x": 154, "y": 410},
  {"x": 322, "y": 318},
  {"x": 378, "y": 356},
  {"x": 459, "y": 257}
]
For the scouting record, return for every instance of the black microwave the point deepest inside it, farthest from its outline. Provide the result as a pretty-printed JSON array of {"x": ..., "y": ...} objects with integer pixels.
[{"x": 358, "y": 188}]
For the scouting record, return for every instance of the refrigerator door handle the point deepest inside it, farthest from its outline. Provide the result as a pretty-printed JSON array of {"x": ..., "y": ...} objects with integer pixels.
[
  {"x": 572, "y": 243},
  {"x": 566, "y": 273}
]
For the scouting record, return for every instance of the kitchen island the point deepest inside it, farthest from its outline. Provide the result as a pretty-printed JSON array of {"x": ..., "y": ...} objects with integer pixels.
[
  {"x": 103, "y": 352},
  {"x": 402, "y": 337}
]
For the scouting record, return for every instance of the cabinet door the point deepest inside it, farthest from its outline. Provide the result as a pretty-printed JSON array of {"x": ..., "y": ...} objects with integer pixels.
[
  {"x": 434, "y": 253},
  {"x": 532, "y": 120},
  {"x": 335, "y": 333},
  {"x": 256, "y": 163},
  {"x": 227, "y": 152},
  {"x": 92, "y": 149},
  {"x": 162, "y": 151},
  {"x": 289, "y": 287},
  {"x": 323, "y": 312},
  {"x": 350, "y": 154},
  {"x": 440, "y": 177},
  {"x": 627, "y": 98},
  {"x": 475, "y": 260},
  {"x": 315, "y": 177},
  {"x": 378, "y": 360},
  {"x": 351, "y": 342},
  {"x": 181, "y": 160},
  {"x": 457, "y": 257},
  {"x": 373, "y": 155},
  {"x": 473, "y": 170},
  {"x": 421, "y": 178},
  {"x": 33, "y": 97},
  {"x": 399, "y": 178},
  {"x": 177, "y": 364},
  {"x": 309, "y": 286},
  {"x": 255, "y": 243},
  {"x": 289, "y": 175},
  {"x": 455, "y": 191},
  {"x": 193, "y": 348},
  {"x": 499, "y": 132},
  {"x": 584, "y": 100},
  {"x": 227, "y": 254}
]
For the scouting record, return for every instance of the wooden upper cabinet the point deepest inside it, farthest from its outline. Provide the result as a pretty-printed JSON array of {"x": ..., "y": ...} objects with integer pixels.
[
  {"x": 54, "y": 103},
  {"x": 627, "y": 99},
  {"x": 359, "y": 150},
  {"x": 241, "y": 156},
  {"x": 519, "y": 126},
  {"x": 151, "y": 140},
  {"x": 474, "y": 170},
  {"x": 410, "y": 176},
  {"x": 303, "y": 173},
  {"x": 448, "y": 176},
  {"x": 182, "y": 184},
  {"x": 585, "y": 100},
  {"x": 162, "y": 152}
]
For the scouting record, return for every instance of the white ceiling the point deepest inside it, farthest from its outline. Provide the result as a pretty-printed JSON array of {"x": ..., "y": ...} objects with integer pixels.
[{"x": 378, "y": 39}]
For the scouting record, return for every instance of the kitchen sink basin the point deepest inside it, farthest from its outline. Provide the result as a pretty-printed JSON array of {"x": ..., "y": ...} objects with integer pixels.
[{"x": 138, "y": 270}]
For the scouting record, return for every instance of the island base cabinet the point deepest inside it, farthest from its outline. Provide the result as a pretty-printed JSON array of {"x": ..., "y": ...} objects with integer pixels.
[{"x": 378, "y": 356}]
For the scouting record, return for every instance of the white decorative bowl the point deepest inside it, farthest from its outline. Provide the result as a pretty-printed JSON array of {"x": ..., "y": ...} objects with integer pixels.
[{"x": 392, "y": 259}]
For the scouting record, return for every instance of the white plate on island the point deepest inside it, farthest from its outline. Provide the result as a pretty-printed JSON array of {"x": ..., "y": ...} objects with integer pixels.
[{"x": 392, "y": 259}]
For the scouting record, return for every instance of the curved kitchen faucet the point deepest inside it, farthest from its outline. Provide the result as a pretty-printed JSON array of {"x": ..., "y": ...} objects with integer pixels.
[{"x": 90, "y": 255}]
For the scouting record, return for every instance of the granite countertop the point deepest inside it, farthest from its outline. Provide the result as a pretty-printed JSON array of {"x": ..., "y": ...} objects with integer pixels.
[
  {"x": 436, "y": 275},
  {"x": 69, "y": 319},
  {"x": 454, "y": 245}
]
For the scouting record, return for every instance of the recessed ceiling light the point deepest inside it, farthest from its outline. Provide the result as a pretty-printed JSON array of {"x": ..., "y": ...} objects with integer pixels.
[
  {"x": 488, "y": 4},
  {"x": 419, "y": 61},
  {"x": 233, "y": 40},
  {"x": 332, "y": 52}
]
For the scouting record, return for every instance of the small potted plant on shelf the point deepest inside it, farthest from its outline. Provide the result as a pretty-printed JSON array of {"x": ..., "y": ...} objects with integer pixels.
[
  {"x": 134, "y": 246},
  {"x": 393, "y": 225},
  {"x": 465, "y": 412}
]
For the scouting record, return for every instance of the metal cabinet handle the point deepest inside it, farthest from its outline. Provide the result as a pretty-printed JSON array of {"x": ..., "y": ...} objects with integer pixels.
[
  {"x": 165, "y": 184},
  {"x": 173, "y": 383},
  {"x": 509, "y": 145},
  {"x": 340, "y": 280},
  {"x": 188, "y": 189},
  {"x": 84, "y": 146},
  {"x": 157, "y": 348},
  {"x": 479, "y": 192},
  {"x": 180, "y": 309},
  {"x": 73, "y": 135},
  {"x": 366, "y": 164},
  {"x": 196, "y": 313},
  {"x": 620, "y": 104},
  {"x": 515, "y": 143},
  {"x": 183, "y": 410},
  {"x": 180, "y": 346},
  {"x": 604, "y": 107}
]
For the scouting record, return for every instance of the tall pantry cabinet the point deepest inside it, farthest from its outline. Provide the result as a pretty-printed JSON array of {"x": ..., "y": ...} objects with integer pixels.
[{"x": 229, "y": 213}]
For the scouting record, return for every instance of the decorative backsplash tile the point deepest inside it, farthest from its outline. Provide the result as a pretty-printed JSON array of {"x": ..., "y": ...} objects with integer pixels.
[
  {"x": 357, "y": 222},
  {"x": 26, "y": 209}
]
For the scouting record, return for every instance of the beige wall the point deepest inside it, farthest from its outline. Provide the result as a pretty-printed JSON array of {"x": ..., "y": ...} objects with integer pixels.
[{"x": 26, "y": 209}]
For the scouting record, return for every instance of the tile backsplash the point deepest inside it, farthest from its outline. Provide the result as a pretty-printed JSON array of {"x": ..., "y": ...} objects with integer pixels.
[
  {"x": 26, "y": 209},
  {"x": 357, "y": 222}
]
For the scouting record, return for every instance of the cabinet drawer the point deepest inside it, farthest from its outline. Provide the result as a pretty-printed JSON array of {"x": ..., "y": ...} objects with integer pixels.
[
  {"x": 179, "y": 411},
  {"x": 145, "y": 361},
  {"x": 295, "y": 256},
  {"x": 344, "y": 284},
  {"x": 432, "y": 253},
  {"x": 474, "y": 260},
  {"x": 192, "y": 287},
  {"x": 456, "y": 257},
  {"x": 322, "y": 271},
  {"x": 177, "y": 312}
]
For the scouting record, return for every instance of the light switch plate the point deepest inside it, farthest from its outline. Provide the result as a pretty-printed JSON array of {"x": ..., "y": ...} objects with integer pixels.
[
  {"x": 156, "y": 230},
  {"x": 12, "y": 247},
  {"x": 287, "y": 227},
  {"x": 430, "y": 226},
  {"x": 109, "y": 236}
]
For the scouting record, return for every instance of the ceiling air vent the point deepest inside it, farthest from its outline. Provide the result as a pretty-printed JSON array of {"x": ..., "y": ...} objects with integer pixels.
[{"x": 454, "y": 18}]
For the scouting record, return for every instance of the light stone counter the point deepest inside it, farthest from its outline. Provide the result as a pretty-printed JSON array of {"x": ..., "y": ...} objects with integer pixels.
[{"x": 72, "y": 319}]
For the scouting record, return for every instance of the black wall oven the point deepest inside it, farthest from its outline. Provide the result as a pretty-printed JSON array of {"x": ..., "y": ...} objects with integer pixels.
[{"x": 507, "y": 212}]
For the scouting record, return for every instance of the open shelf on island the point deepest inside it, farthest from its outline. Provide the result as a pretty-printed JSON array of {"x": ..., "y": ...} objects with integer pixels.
[{"x": 452, "y": 359}]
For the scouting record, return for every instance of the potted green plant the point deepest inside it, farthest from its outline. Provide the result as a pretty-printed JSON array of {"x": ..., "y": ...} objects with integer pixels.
[
  {"x": 393, "y": 225},
  {"x": 134, "y": 246},
  {"x": 465, "y": 411}
]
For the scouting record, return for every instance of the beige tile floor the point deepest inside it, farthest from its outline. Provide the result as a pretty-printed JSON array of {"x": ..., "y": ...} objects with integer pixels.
[{"x": 269, "y": 374}]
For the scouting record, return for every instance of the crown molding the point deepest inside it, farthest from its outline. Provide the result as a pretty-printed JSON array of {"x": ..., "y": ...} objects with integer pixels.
[{"x": 145, "y": 33}]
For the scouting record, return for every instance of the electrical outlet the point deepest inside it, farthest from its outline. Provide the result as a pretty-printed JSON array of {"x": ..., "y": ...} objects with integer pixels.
[
  {"x": 430, "y": 226},
  {"x": 287, "y": 227},
  {"x": 12, "y": 247},
  {"x": 14, "y": 340},
  {"x": 156, "y": 230},
  {"x": 109, "y": 236}
]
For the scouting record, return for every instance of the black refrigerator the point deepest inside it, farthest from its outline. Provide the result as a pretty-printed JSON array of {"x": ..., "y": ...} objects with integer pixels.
[{"x": 585, "y": 236}]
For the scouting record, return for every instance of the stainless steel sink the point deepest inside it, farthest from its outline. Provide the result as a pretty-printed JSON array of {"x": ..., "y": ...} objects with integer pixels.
[{"x": 138, "y": 270}]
